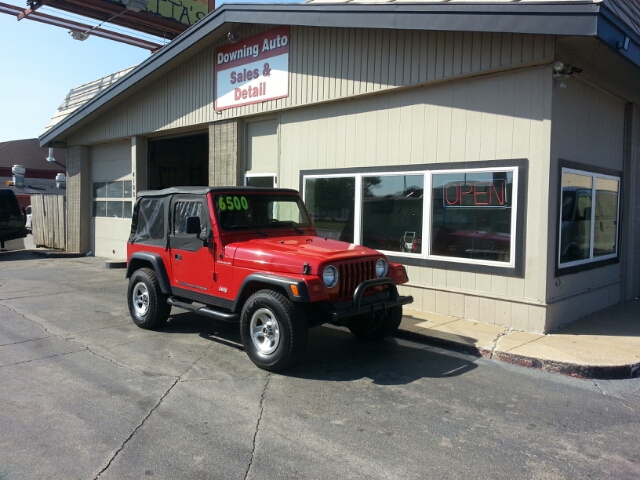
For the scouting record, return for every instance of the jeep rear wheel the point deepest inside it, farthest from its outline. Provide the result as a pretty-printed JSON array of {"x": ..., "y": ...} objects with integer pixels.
[
  {"x": 147, "y": 304},
  {"x": 377, "y": 326},
  {"x": 273, "y": 330}
]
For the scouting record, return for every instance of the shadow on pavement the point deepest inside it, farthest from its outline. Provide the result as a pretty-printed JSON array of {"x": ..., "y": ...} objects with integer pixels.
[
  {"x": 334, "y": 354},
  {"x": 13, "y": 255},
  {"x": 622, "y": 320}
]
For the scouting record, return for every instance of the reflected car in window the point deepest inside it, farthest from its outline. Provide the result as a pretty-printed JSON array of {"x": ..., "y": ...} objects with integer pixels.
[{"x": 577, "y": 216}]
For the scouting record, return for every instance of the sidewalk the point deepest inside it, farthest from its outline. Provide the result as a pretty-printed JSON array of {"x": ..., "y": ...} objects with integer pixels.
[{"x": 604, "y": 345}]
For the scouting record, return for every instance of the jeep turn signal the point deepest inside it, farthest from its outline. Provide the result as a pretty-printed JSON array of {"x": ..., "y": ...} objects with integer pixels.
[
  {"x": 401, "y": 274},
  {"x": 294, "y": 290}
]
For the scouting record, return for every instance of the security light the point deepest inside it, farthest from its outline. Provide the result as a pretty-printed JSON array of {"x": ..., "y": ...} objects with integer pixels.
[
  {"x": 135, "y": 5},
  {"x": 78, "y": 35}
]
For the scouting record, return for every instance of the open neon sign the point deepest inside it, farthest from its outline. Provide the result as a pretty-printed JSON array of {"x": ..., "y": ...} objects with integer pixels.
[{"x": 491, "y": 193}]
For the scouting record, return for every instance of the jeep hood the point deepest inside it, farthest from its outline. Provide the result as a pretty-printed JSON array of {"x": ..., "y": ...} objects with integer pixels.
[{"x": 289, "y": 254}]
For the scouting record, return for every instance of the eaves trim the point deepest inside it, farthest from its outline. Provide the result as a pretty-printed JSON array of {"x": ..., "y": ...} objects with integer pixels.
[{"x": 546, "y": 18}]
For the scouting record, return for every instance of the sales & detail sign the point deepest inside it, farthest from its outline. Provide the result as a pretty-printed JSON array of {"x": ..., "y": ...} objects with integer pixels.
[{"x": 253, "y": 70}]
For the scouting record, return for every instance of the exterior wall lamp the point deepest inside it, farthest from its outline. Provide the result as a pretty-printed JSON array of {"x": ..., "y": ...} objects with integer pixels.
[{"x": 562, "y": 71}]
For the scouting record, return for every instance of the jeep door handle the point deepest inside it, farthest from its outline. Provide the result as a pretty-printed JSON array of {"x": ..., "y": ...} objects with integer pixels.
[{"x": 178, "y": 256}]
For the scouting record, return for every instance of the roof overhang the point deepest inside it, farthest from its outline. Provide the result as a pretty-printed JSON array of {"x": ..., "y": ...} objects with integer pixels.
[{"x": 545, "y": 18}]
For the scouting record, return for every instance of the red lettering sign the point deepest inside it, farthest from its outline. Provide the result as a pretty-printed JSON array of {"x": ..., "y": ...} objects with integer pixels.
[{"x": 492, "y": 193}]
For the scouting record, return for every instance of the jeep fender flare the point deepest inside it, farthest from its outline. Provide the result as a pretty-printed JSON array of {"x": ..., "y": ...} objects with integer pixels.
[
  {"x": 138, "y": 259},
  {"x": 283, "y": 283}
]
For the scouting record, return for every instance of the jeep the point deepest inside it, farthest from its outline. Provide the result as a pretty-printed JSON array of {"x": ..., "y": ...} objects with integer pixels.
[{"x": 253, "y": 256}]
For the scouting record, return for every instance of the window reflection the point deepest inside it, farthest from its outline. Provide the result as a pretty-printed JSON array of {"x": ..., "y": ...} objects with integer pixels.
[
  {"x": 606, "y": 216},
  {"x": 392, "y": 212},
  {"x": 330, "y": 203},
  {"x": 585, "y": 218}
]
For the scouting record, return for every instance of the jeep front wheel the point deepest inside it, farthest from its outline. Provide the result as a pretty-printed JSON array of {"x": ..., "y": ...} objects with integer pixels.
[
  {"x": 273, "y": 330},
  {"x": 147, "y": 304},
  {"x": 377, "y": 326}
]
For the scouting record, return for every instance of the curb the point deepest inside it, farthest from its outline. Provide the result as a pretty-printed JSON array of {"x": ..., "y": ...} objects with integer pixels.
[
  {"x": 594, "y": 372},
  {"x": 114, "y": 264},
  {"x": 56, "y": 254}
]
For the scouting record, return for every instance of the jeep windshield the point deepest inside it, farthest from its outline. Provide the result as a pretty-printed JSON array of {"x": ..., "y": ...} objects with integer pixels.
[{"x": 260, "y": 211}]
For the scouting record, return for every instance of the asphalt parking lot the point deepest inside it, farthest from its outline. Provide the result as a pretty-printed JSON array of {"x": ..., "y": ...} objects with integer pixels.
[{"x": 86, "y": 395}]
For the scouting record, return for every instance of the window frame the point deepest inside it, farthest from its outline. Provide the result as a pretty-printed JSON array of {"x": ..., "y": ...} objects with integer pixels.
[
  {"x": 248, "y": 175},
  {"x": 106, "y": 199},
  {"x": 591, "y": 262},
  {"x": 519, "y": 169}
]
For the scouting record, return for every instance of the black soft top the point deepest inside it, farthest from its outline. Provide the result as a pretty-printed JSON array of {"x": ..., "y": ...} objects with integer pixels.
[{"x": 204, "y": 190}]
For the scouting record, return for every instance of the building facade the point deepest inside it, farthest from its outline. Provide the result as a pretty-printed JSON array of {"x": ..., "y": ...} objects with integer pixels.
[{"x": 491, "y": 148}]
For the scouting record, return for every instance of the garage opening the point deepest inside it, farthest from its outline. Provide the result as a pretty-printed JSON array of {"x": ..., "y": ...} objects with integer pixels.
[{"x": 179, "y": 161}]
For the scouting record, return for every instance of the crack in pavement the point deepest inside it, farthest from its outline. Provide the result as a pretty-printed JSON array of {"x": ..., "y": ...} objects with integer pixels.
[
  {"x": 24, "y": 341},
  {"x": 117, "y": 452},
  {"x": 62, "y": 337},
  {"x": 29, "y": 319},
  {"x": 31, "y": 295},
  {"x": 637, "y": 414},
  {"x": 255, "y": 435},
  {"x": 494, "y": 345},
  {"x": 42, "y": 358},
  {"x": 139, "y": 426}
]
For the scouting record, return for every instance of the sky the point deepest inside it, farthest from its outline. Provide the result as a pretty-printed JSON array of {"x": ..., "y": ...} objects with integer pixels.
[{"x": 40, "y": 64}]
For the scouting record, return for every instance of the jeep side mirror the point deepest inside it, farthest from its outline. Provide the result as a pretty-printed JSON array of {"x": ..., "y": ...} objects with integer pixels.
[{"x": 193, "y": 226}]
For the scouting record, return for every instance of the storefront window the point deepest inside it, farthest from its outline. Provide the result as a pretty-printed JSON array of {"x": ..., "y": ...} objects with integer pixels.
[
  {"x": 330, "y": 202},
  {"x": 589, "y": 217},
  {"x": 112, "y": 199},
  {"x": 471, "y": 215},
  {"x": 392, "y": 208},
  {"x": 467, "y": 215}
]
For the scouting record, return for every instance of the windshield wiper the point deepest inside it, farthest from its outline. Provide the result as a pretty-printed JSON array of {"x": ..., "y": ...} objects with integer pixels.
[
  {"x": 280, "y": 223},
  {"x": 252, "y": 228}
]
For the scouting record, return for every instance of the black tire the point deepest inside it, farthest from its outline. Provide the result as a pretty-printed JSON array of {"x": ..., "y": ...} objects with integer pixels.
[
  {"x": 147, "y": 304},
  {"x": 378, "y": 326},
  {"x": 273, "y": 330}
]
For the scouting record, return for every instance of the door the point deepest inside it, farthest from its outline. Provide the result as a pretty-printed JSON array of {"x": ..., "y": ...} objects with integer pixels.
[
  {"x": 192, "y": 256},
  {"x": 262, "y": 153}
]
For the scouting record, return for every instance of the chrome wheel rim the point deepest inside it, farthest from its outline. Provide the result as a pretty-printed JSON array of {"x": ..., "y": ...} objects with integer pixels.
[
  {"x": 265, "y": 331},
  {"x": 141, "y": 299}
]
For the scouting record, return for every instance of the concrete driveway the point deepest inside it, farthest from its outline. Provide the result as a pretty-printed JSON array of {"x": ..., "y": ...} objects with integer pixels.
[{"x": 86, "y": 394}]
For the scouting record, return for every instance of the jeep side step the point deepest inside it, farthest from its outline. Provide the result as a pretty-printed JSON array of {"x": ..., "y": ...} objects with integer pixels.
[{"x": 222, "y": 316}]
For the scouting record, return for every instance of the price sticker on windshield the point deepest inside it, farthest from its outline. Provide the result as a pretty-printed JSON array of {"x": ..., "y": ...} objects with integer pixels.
[{"x": 232, "y": 202}]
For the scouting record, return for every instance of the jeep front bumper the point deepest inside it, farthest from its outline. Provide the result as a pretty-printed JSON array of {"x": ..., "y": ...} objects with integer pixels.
[{"x": 384, "y": 300}]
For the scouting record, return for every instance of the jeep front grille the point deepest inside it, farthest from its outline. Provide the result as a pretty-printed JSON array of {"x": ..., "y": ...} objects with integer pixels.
[{"x": 354, "y": 273}]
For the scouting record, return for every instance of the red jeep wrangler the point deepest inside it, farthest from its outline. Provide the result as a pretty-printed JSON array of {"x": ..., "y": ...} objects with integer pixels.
[{"x": 252, "y": 255}]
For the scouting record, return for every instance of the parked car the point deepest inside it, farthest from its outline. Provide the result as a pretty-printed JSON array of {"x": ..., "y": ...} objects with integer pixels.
[
  {"x": 27, "y": 212},
  {"x": 12, "y": 220},
  {"x": 252, "y": 256}
]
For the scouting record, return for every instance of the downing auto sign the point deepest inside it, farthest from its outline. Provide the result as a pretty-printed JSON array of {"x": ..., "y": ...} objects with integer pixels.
[{"x": 253, "y": 70}]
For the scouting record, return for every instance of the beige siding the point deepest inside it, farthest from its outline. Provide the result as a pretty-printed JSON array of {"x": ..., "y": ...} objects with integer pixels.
[
  {"x": 581, "y": 108},
  {"x": 503, "y": 116},
  {"x": 262, "y": 146},
  {"x": 325, "y": 64},
  {"x": 578, "y": 109}
]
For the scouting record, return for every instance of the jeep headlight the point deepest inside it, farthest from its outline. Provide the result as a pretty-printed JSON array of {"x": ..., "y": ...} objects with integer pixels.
[
  {"x": 330, "y": 276},
  {"x": 381, "y": 267}
]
